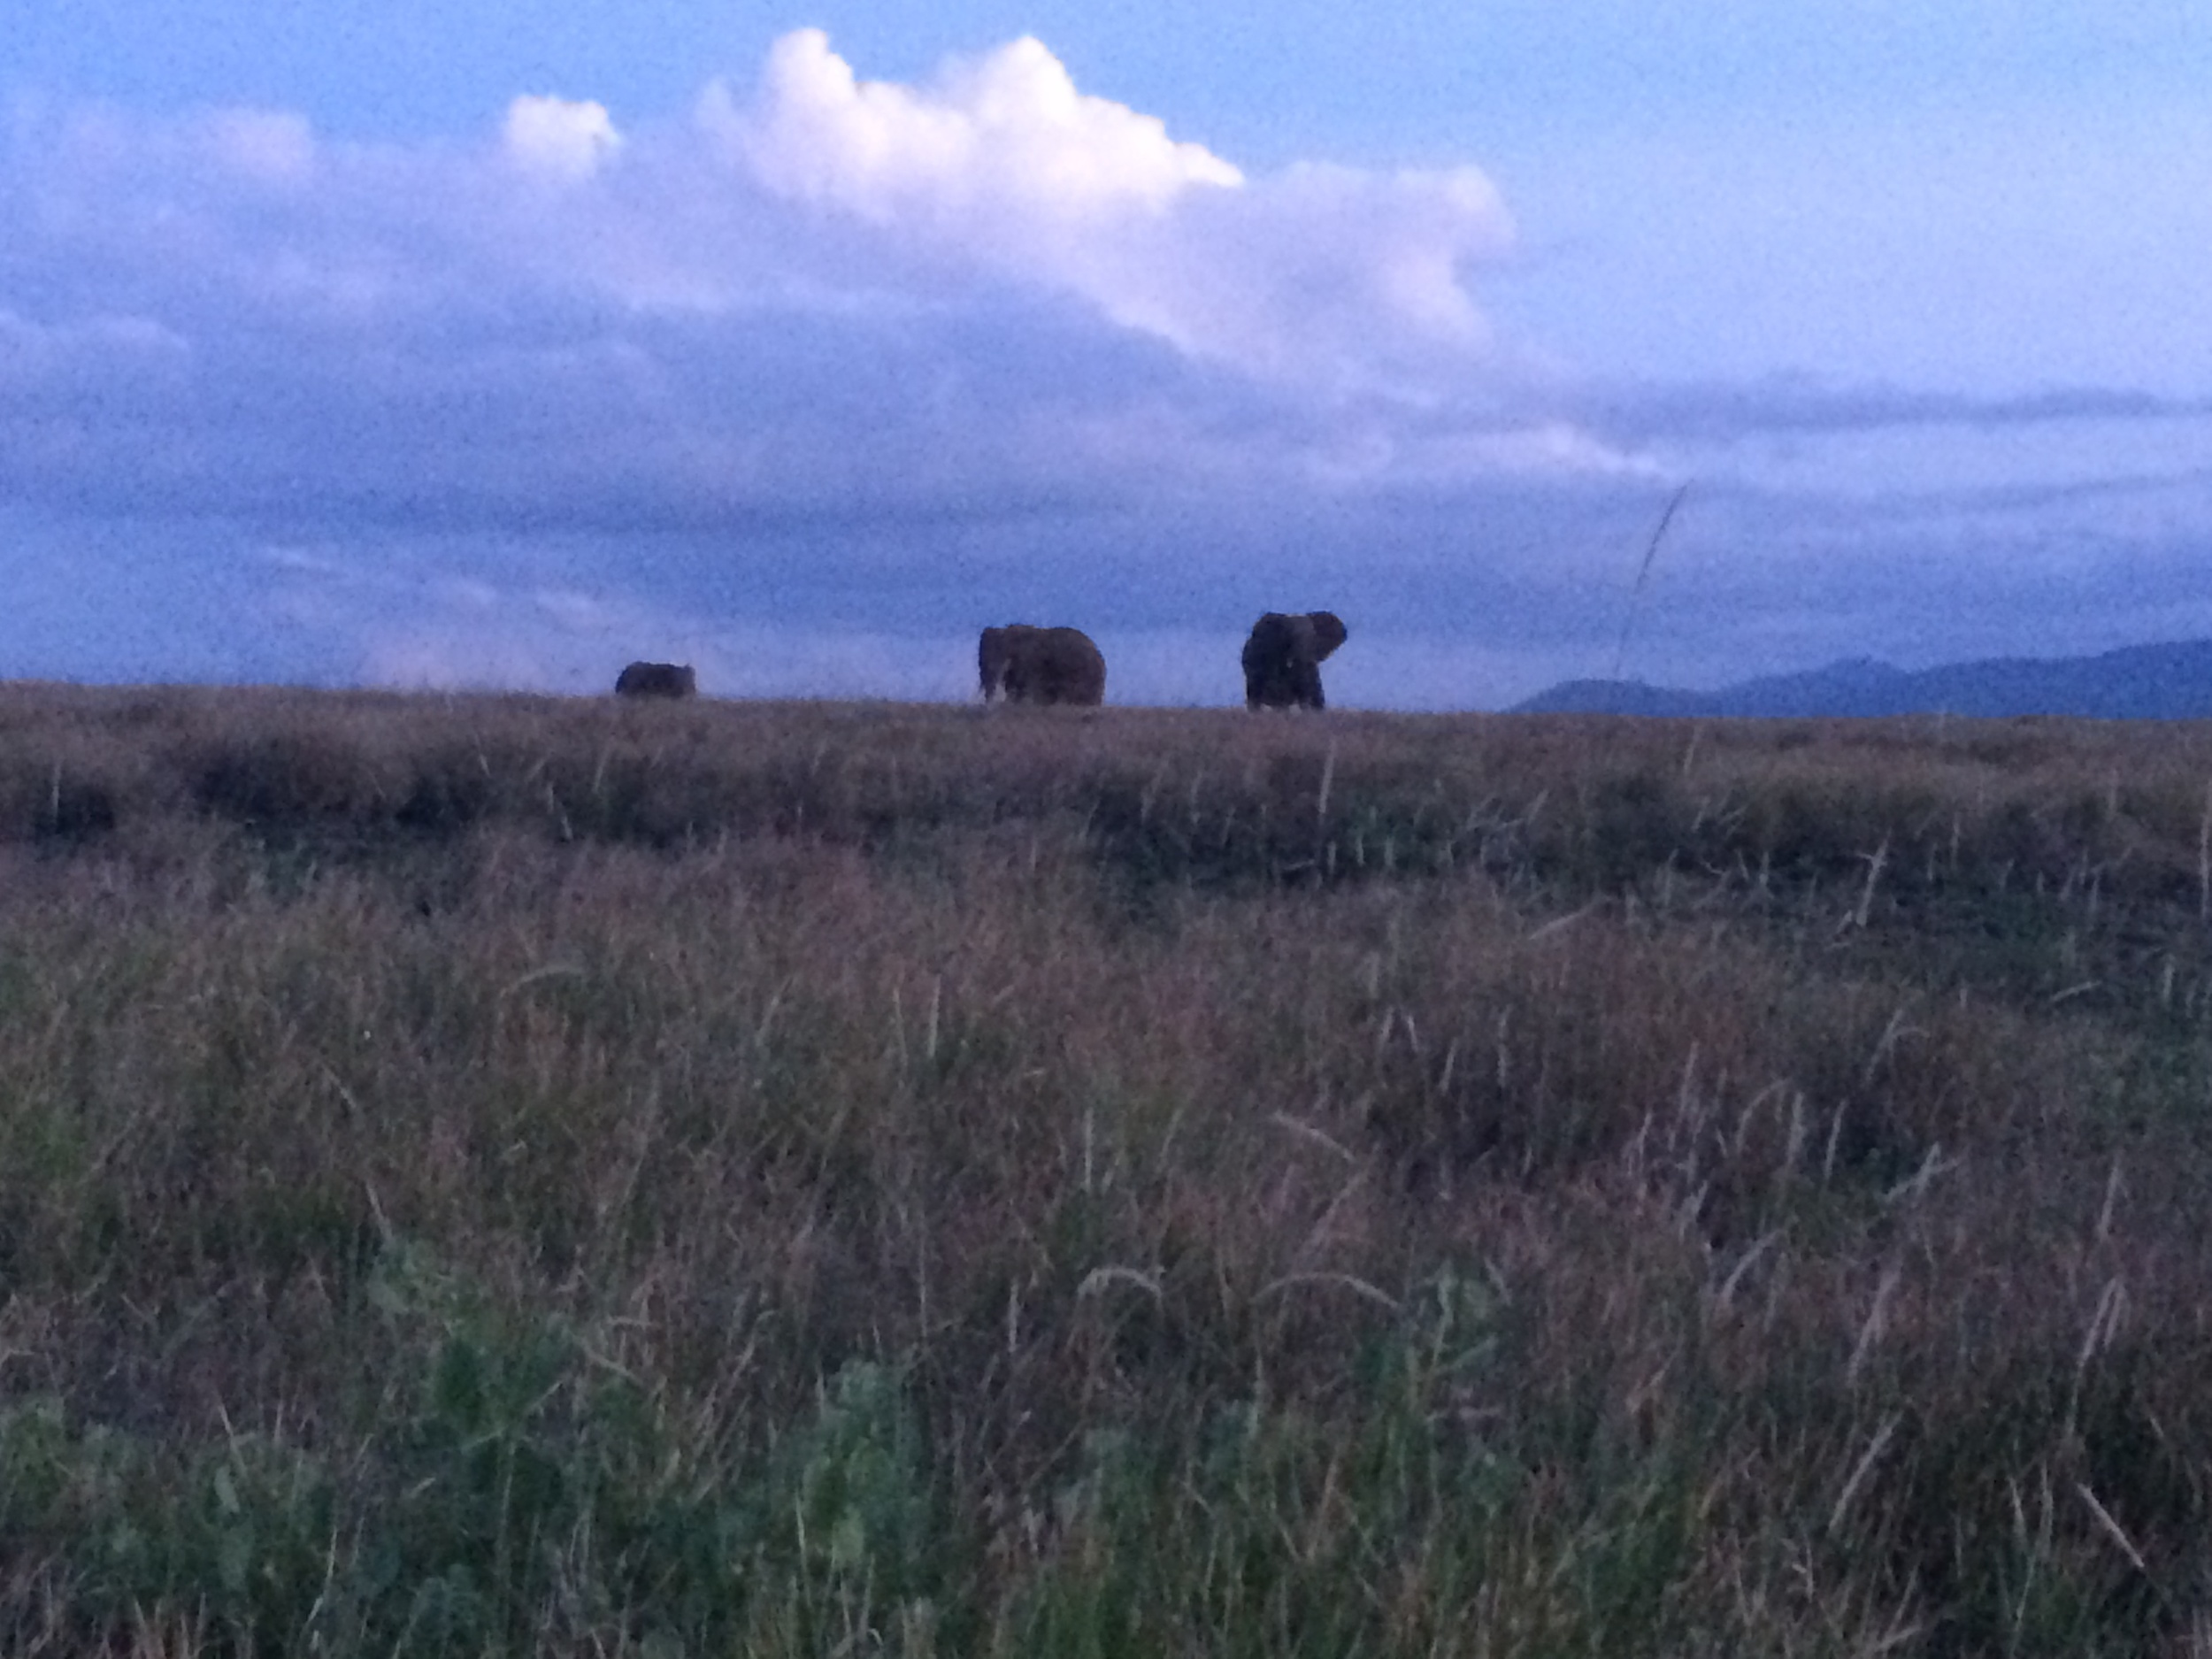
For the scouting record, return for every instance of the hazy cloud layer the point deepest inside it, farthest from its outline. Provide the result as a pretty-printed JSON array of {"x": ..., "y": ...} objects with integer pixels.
[
  {"x": 810, "y": 381},
  {"x": 240, "y": 317}
]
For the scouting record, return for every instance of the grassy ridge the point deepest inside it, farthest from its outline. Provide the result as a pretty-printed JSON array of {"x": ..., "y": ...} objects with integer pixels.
[{"x": 505, "y": 1175}]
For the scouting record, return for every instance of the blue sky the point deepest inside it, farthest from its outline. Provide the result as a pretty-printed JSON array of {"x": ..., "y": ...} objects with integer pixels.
[{"x": 462, "y": 344}]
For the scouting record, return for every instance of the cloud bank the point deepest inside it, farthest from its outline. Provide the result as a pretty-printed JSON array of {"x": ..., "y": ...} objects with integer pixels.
[
  {"x": 678, "y": 311},
  {"x": 812, "y": 380}
]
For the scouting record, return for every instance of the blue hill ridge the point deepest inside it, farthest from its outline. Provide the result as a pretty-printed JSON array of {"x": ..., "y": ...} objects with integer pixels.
[{"x": 2137, "y": 682}]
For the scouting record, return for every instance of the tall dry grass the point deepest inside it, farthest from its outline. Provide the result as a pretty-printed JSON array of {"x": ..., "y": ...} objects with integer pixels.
[{"x": 490, "y": 1175}]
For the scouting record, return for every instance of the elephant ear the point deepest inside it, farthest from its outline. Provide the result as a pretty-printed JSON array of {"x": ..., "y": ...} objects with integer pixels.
[{"x": 1329, "y": 632}]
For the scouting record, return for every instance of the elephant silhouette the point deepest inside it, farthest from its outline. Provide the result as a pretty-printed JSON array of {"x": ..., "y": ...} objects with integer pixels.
[
  {"x": 657, "y": 679},
  {"x": 1029, "y": 664},
  {"x": 1283, "y": 657}
]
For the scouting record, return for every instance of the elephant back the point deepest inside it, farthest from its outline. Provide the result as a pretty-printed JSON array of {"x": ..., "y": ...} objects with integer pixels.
[
  {"x": 1024, "y": 663},
  {"x": 657, "y": 679}
]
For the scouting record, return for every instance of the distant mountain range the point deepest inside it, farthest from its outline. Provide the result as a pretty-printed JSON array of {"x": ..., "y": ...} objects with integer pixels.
[{"x": 2141, "y": 682}]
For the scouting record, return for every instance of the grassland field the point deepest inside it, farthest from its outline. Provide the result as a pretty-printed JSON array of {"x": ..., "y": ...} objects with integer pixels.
[{"x": 490, "y": 1175}]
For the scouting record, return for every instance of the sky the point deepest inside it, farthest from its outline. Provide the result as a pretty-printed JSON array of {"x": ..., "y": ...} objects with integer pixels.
[{"x": 452, "y": 344}]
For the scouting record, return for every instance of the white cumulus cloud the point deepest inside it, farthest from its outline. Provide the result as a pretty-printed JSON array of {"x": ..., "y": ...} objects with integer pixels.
[
  {"x": 999, "y": 135},
  {"x": 1320, "y": 273},
  {"x": 558, "y": 139},
  {"x": 986, "y": 287}
]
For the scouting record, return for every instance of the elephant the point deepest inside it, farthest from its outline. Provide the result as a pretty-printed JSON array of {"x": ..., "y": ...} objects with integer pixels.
[
  {"x": 1028, "y": 665},
  {"x": 657, "y": 679},
  {"x": 1282, "y": 659}
]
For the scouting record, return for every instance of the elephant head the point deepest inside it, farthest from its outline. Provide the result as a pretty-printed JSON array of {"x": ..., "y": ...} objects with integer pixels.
[
  {"x": 1283, "y": 657},
  {"x": 657, "y": 679},
  {"x": 1029, "y": 664}
]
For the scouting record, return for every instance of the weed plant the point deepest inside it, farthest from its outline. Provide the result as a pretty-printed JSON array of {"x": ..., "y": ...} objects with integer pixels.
[{"x": 506, "y": 1175}]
